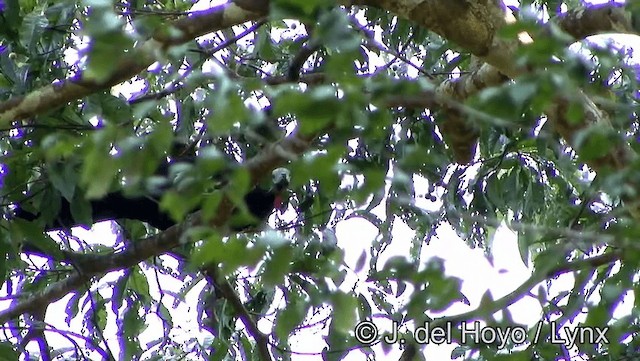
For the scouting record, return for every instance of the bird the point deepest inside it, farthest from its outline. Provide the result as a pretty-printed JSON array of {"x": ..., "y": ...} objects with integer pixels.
[{"x": 260, "y": 203}]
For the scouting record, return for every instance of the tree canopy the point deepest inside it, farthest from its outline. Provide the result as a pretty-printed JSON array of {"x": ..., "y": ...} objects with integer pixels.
[{"x": 473, "y": 115}]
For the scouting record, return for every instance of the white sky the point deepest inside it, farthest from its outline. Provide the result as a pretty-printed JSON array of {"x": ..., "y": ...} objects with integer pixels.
[{"x": 354, "y": 235}]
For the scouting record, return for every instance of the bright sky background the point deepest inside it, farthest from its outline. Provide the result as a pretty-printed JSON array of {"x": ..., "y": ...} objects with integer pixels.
[{"x": 354, "y": 236}]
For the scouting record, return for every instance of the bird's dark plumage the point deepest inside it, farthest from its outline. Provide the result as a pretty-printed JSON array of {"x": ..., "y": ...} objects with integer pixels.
[{"x": 260, "y": 203}]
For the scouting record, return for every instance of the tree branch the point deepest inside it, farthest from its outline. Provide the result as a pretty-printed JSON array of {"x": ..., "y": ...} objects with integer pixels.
[
  {"x": 176, "y": 85},
  {"x": 198, "y": 23},
  {"x": 227, "y": 292},
  {"x": 97, "y": 265},
  {"x": 537, "y": 277},
  {"x": 595, "y": 19},
  {"x": 482, "y": 20}
]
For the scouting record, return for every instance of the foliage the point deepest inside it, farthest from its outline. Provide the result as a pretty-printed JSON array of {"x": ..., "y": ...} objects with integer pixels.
[{"x": 376, "y": 155}]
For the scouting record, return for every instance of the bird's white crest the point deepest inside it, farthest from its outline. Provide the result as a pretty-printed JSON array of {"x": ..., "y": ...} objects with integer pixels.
[{"x": 281, "y": 176}]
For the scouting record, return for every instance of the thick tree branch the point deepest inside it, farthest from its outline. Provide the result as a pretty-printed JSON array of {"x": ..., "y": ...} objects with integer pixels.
[
  {"x": 51, "y": 294},
  {"x": 177, "y": 84},
  {"x": 198, "y": 23},
  {"x": 458, "y": 133},
  {"x": 227, "y": 292},
  {"x": 98, "y": 265},
  {"x": 596, "y": 19},
  {"x": 482, "y": 20}
]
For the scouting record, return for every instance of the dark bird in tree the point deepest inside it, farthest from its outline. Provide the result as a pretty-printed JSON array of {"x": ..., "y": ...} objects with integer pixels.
[{"x": 115, "y": 205}]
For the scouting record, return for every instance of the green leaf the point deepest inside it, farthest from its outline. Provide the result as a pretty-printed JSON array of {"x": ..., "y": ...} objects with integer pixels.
[
  {"x": 264, "y": 47},
  {"x": 338, "y": 344},
  {"x": 597, "y": 316},
  {"x": 210, "y": 203},
  {"x": 25, "y": 231},
  {"x": 231, "y": 253},
  {"x": 248, "y": 348},
  {"x": 278, "y": 266},
  {"x": 522, "y": 93},
  {"x": 316, "y": 108},
  {"x": 81, "y": 210},
  {"x": 334, "y": 31},
  {"x": 360, "y": 262},
  {"x": 33, "y": 25},
  {"x": 11, "y": 13},
  {"x": 139, "y": 283},
  {"x": 344, "y": 311},
  {"x": 5, "y": 251},
  {"x": 287, "y": 319},
  {"x": 594, "y": 142},
  {"x": 97, "y": 315},
  {"x": 103, "y": 56},
  {"x": 98, "y": 171},
  {"x": 296, "y": 8},
  {"x": 525, "y": 239},
  {"x": 8, "y": 352},
  {"x": 71, "y": 309},
  {"x": 167, "y": 319},
  {"x": 221, "y": 349},
  {"x": 174, "y": 203},
  {"x": 238, "y": 186},
  {"x": 229, "y": 109},
  {"x": 131, "y": 328},
  {"x": 115, "y": 109}
]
